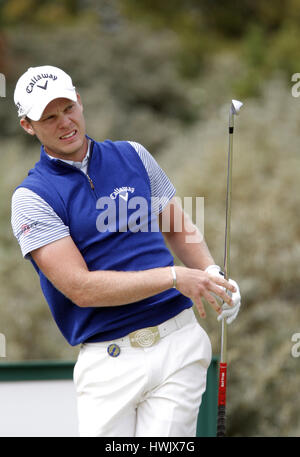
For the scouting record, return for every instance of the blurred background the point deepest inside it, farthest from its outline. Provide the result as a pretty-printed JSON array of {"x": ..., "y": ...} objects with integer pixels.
[{"x": 164, "y": 74}]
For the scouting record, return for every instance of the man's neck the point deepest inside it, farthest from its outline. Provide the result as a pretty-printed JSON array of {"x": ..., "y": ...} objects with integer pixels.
[
  {"x": 67, "y": 158},
  {"x": 77, "y": 156}
]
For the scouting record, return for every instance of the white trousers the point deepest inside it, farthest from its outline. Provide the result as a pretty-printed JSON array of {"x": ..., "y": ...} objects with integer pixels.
[{"x": 144, "y": 392}]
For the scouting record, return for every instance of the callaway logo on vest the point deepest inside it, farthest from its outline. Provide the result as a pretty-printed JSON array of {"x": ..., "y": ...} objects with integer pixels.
[{"x": 122, "y": 192}]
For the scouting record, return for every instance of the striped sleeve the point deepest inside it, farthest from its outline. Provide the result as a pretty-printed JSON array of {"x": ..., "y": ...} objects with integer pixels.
[
  {"x": 162, "y": 190},
  {"x": 34, "y": 222}
]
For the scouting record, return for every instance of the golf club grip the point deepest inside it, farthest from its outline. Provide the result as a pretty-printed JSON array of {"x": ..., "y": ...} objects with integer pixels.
[
  {"x": 221, "y": 420},
  {"x": 221, "y": 424}
]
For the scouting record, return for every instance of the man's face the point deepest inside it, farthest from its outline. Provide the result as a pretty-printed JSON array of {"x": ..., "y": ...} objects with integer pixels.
[{"x": 61, "y": 129}]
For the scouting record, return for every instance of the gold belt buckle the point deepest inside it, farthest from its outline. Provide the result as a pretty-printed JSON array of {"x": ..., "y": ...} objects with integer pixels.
[{"x": 145, "y": 337}]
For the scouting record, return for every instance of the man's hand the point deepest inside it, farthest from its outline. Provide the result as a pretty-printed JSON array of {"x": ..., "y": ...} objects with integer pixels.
[
  {"x": 197, "y": 284},
  {"x": 228, "y": 312}
]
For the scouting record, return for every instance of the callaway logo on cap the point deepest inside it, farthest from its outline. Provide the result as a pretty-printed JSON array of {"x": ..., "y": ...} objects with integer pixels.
[{"x": 38, "y": 87}]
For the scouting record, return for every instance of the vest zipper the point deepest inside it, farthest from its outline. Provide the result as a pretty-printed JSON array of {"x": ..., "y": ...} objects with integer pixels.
[
  {"x": 88, "y": 166},
  {"x": 91, "y": 182},
  {"x": 80, "y": 171}
]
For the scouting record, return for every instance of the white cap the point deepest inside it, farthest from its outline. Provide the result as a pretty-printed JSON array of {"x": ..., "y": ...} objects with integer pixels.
[{"x": 38, "y": 87}]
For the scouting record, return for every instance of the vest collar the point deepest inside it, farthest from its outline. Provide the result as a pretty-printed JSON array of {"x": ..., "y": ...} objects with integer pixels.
[{"x": 54, "y": 162}]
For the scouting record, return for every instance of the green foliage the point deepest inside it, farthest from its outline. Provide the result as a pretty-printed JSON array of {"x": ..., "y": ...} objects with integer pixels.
[
  {"x": 38, "y": 11},
  {"x": 264, "y": 33},
  {"x": 267, "y": 33},
  {"x": 284, "y": 50},
  {"x": 127, "y": 80}
]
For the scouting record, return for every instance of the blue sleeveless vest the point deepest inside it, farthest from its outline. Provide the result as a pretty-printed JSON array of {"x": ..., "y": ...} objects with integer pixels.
[{"x": 111, "y": 223}]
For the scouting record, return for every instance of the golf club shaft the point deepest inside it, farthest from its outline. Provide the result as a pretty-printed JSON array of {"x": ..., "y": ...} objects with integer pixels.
[{"x": 221, "y": 423}]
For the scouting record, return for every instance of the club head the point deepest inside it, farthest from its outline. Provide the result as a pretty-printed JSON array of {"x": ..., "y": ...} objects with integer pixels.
[{"x": 236, "y": 105}]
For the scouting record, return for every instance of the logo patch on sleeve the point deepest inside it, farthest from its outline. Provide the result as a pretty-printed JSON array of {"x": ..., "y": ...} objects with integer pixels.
[{"x": 26, "y": 228}]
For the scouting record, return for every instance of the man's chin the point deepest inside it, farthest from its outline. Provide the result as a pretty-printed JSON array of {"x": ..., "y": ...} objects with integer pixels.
[{"x": 74, "y": 150}]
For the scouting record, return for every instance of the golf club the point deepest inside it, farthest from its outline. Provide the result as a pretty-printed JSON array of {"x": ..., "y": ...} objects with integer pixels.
[{"x": 221, "y": 422}]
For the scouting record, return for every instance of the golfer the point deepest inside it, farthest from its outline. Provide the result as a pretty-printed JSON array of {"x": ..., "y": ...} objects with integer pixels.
[{"x": 88, "y": 217}]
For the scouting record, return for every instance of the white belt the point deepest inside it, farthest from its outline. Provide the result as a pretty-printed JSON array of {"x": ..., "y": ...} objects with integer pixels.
[{"x": 149, "y": 336}]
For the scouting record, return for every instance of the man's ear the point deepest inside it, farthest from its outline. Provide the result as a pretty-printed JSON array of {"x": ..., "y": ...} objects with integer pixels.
[{"x": 26, "y": 125}]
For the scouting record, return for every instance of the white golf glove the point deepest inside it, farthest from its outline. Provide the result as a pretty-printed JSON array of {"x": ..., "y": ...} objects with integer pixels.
[{"x": 228, "y": 312}]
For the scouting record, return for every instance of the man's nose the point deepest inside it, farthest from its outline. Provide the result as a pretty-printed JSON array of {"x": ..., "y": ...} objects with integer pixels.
[{"x": 64, "y": 121}]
